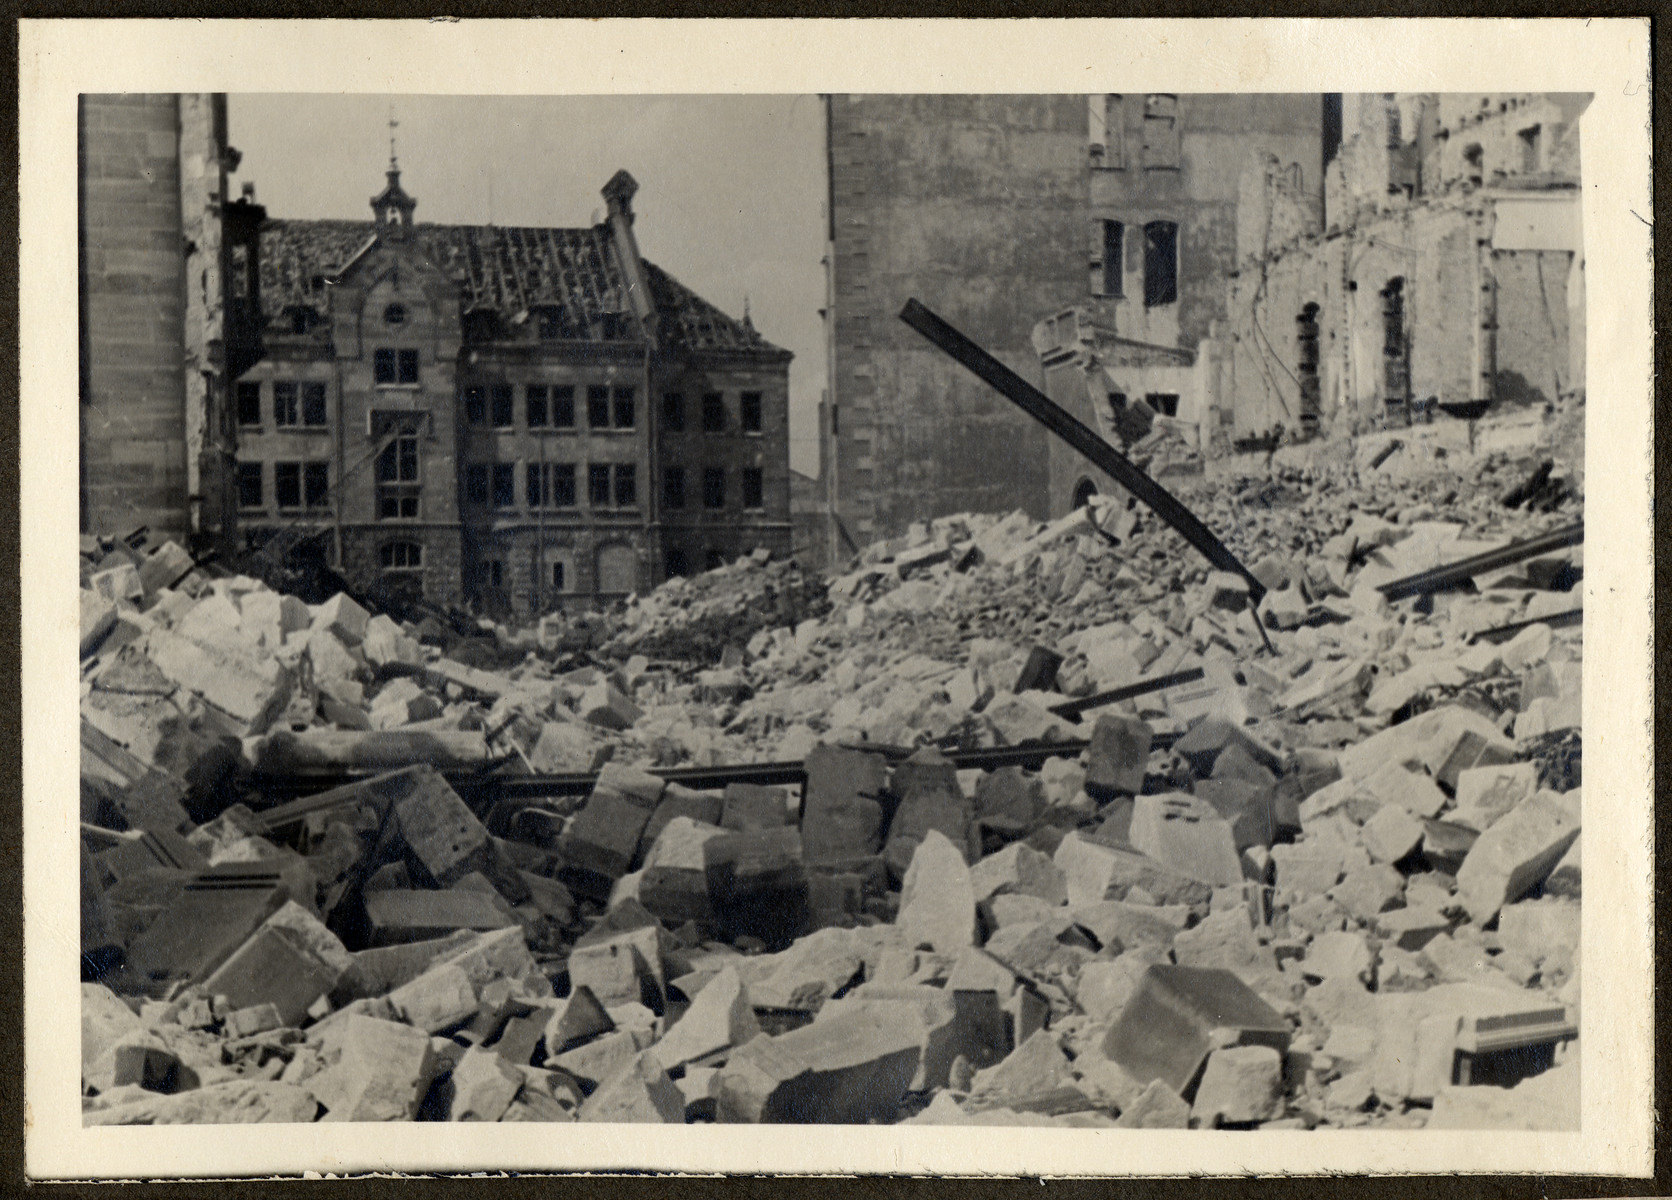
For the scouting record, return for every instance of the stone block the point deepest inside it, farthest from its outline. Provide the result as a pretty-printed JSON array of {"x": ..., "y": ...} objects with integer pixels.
[
  {"x": 106, "y": 1022},
  {"x": 1023, "y": 720},
  {"x": 1391, "y": 835},
  {"x": 578, "y": 1019},
  {"x": 1208, "y": 738},
  {"x": 1412, "y": 928},
  {"x": 642, "y": 1093},
  {"x": 1018, "y": 869},
  {"x": 272, "y": 967},
  {"x": 483, "y": 1086},
  {"x": 1227, "y": 941},
  {"x": 413, "y": 915},
  {"x": 244, "y": 686},
  {"x": 677, "y": 801},
  {"x": 1179, "y": 1015},
  {"x": 381, "y": 1071},
  {"x": 1484, "y": 794},
  {"x": 842, "y": 816},
  {"x": 439, "y": 999},
  {"x": 213, "y": 914},
  {"x": 719, "y": 1017},
  {"x": 1187, "y": 835},
  {"x": 850, "y": 1069},
  {"x": 1518, "y": 851},
  {"x": 1144, "y": 927},
  {"x": 441, "y": 834},
  {"x": 757, "y": 884},
  {"x": 1009, "y": 798},
  {"x": 1093, "y": 872},
  {"x": 601, "y": 1058},
  {"x": 599, "y": 845},
  {"x": 98, "y": 618},
  {"x": 1339, "y": 955},
  {"x": 604, "y": 705},
  {"x": 929, "y": 799},
  {"x": 747, "y": 807},
  {"x": 1306, "y": 868},
  {"x": 239, "y": 1102},
  {"x": 937, "y": 899},
  {"x": 1117, "y": 756},
  {"x": 1156, "y": 1107},
  {"x": 1365, "y": 892},
  {"x": 1248, "y": 807},
  {"x": 625, "y": 968},
  {"x": 1240, "y": 1085},
  {"x": 343, "y": 619}
]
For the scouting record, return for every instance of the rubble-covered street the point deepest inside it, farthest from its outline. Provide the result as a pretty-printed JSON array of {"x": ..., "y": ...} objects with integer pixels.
[{"x": 337, "y": 868}]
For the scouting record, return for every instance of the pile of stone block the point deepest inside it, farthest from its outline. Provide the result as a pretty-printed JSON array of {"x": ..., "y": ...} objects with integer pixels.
[{"x": 1333, "y": 884}]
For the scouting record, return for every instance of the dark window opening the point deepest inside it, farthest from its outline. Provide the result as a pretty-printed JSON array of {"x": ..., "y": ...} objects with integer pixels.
[
  {"x": 395, "y": 314},
  {"x": 563, "y": 484},
  {"x": 754, "y": 490},
  {"x": 300, "y": 319},
  {"x": 408, "y": 366},
  {"x": 624, "y": 415},
  {"x": 1396, "y": 363},
  {"x": 1161, "y": 263},
  {"x": 674, "y": 564},
  {"x": 401, "y": 556},
  {"x": 1530, "y": 149},
  {"x": 249, "y": 404},
  {"x": 397, "y": 505},
  {"x": 534, "y": 406},
  {"x": 563, "y": 406},
  {"x": 749, "y": 411},
  {"x": 316, "y": 485},
  {"x": 713, "y": 413},
  {"x": 598, "y": 407},
  {"x": 716, "y": 559},
  {"x": 504, "y": 485},
  {"x": 383, "y": 366},
  {"x": 313, "y": 404},
  {"x": 714, "y": 487},
  {"x": 398, "y": 461},
  {"x": 249, "y": 486},
  {"x": 476, "y": 483},
  {"x": 476, "y": 405},
  {"x": 549, "y": 324},
  {"x": 559, "y": 577},
  {"x": 493, "y": 573},
  {"x": 1117, "y": 403},
  {"x": 287, "y": 484},
  {"x": 1107, "y": 266},
  {"x": 673, "y": 412},
  {"x": 1306, "y": 359},
  {"x": 284, "y": 404},
  {"x": 500, "y": 395},
  {"x": 1165, "y": 404},
  {"x": 626, "y": 485},
  {"x": 673, "y": 487},
  {"x": 598, "y": 485},
  {"x": 1083, "y": 492}
]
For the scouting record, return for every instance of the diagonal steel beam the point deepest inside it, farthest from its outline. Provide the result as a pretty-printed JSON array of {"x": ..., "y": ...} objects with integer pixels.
[
  {"x": 1062, "y": 423},
  {"x": 1452, "y": 574}
]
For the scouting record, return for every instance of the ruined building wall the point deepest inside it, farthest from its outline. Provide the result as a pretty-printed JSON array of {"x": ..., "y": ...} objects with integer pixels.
[
  {"x": 976, "y": 206},
  {"x": 133, "y": 410}
]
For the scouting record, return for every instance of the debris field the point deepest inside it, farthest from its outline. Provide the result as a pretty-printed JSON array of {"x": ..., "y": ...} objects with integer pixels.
[{"x": 762, "y": 847}]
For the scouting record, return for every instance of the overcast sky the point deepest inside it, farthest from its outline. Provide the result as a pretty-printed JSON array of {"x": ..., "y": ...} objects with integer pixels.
[{"x": 731, "y": 188}]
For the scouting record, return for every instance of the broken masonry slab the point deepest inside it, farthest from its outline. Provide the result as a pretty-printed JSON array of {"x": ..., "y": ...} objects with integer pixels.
[{"x": 1178, "y": 1015}]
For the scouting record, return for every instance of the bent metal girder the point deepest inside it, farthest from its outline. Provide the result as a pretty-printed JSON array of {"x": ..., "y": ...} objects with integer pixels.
[{"x": 1084, "y": 439}]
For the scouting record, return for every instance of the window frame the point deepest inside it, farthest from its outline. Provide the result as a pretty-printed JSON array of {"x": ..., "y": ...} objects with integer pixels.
[
  {"x": 755, "y": 401},
  {"x": 245, "y": 473},
  {"x": 562, "y": 394},
  {"x": 502, "y": 402},
  {"x": 287, "y": 475},
  {"x": 626, "y": 490},
  {"x": 504, "y": 485},
  {"x": 413, "y": 551},
  {"x": 530, "y": 391},
  {"x": 313, "y": 391},
  {"x": 714, "y": 488},
  {"x": 1154, "y": 295},
  {"x": 673, "y": 486},
  {"x": 287, "y": 404},
  {"x": 753, "y": 483},
  {"x": 316, "y": 485},
  {"x": 624, "y": 404},
  {"x": 248, "y": 390},
  {"x": 599, "y": 487},
  {"x": 714, "y": 412},
  {"x": 673, "y": 412},
  {"x": 598, "y": 410}
]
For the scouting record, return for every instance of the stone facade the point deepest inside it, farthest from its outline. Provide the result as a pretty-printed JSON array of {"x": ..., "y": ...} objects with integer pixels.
[{"x": 514, "y": 420}]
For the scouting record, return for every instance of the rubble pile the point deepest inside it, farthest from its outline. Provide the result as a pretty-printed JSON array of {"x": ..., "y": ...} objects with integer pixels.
[{"x": 1332, "y": 883}]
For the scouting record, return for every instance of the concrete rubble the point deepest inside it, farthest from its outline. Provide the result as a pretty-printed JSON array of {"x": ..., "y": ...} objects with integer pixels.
[{"x": 1335, "y": 884}]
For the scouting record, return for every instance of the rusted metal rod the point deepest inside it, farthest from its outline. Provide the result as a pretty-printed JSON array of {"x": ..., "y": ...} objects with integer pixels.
[{"x": 1452, "y": 574}]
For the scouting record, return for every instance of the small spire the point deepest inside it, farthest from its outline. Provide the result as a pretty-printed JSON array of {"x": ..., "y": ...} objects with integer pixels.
[
  {"x": 393, "y": 165},
  {"x": 747, "y": 323}
]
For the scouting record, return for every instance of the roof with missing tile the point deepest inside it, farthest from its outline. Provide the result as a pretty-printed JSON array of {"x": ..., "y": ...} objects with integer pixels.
[{"x": 573, "y": 274}]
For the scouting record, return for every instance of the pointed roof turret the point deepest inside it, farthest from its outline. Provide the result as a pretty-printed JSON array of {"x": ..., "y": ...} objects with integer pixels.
[{"x": 392, "y": 207}]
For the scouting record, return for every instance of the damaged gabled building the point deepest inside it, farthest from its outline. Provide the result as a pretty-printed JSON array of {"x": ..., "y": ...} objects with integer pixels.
[{"x": 518, "y": 419}]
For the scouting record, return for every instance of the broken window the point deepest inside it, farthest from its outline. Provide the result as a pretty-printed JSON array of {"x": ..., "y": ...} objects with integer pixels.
[
  {"x": 1161, "y": 131},
  {"x": 673, "y": 412},
  {"x": 624, "y": 414},
  {"x": 500, "y": 397},
  {"x": 287, "y": 484},
  {"x": 753, "y": 488},
  {"x": 249, "y": 404},
  {"x": 534, "y": 405},
  {"x": 504, "y": 485},
  {"x": 713, "y": 413},
  {"x": 1106, "y": 131},
  {"x": 284, "y": 404},
  {"x": 313, "y": 404},
  {"x": 749, "y": 411},
  {"x": 1306, "y": 359},
  {"x": 598, "y": 407},
  {"x": 598, "y": 485},
  {"x": 673, "y": 487},
  {"x": 316, "y": 485},
  {"x": 1161, "y": 263},
  {"x": 249, "y": 486},
  {"x": 563, "y": 406},
  {"x": 714, "y": 487},
  {"x": 1165, "y": 403},
  {"x": 401, "y": 556},
  {"x": 1396, "y": 366},
  {"x": 1108, "y": 243}
]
